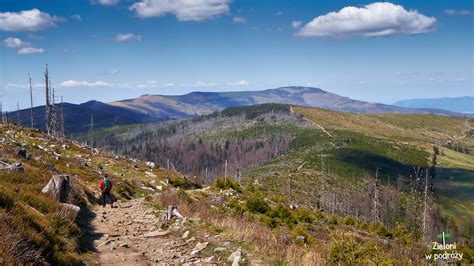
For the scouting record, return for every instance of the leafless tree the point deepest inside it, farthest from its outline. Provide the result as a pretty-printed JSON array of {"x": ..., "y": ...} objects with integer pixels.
[{"x": 31, "y": 103}]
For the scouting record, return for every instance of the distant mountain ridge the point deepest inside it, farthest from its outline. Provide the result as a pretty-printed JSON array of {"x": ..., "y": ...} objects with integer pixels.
[
  {"x": 77, "y": 117},
  {"x": 154, "y": 108},
  {"x": 202, "y": 103},
  {"x": 455, "y": 104}
]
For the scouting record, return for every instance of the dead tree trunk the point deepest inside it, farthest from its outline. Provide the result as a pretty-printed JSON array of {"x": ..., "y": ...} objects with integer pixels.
[
  {"x": 48, "y": 103},
  {"x": 58, "y": 187},
  {"x": 376, "y": 201},
  {"x": 31, "y": 104},
  {"x": 63, "y": 129},
  {"x": 18, "y": 117},
  {"x": 172, "y": 212}
]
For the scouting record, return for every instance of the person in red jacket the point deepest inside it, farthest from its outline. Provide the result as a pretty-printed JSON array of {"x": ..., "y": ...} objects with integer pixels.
[{"x": 106, "y": 186}]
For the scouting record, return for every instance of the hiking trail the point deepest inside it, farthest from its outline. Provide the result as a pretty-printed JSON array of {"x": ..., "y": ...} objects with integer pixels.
[{"x": 129, "y": 234}]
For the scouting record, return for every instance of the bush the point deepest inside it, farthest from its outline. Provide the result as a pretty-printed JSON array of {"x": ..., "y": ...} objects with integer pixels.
[
  {"x": 332, "y": 220},
  {"x": 304, "y": 215},
  {"x": 347, "y": 250},
  {"x": 380, "y": 230},
  {"x": 226, "y": 183},
  {"x": 256, "y": 204},
  {"x": 282, "y": 214},
  {"x": 349, "y": 221},
  {"x": 182, "y": 183}
]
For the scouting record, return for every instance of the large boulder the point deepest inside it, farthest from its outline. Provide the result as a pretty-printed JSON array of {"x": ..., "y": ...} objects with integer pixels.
[{"x": 59, "y": 188}]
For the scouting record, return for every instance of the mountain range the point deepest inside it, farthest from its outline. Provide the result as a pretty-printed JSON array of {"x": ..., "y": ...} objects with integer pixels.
[
  {"x": 455, "y": 104},
  {"x": 202, "y": 103},
  {"x": 153, "y": 108}
]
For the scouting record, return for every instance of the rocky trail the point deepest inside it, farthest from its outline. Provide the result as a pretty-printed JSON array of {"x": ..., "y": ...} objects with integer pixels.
[{"x": 129, "y": 234}]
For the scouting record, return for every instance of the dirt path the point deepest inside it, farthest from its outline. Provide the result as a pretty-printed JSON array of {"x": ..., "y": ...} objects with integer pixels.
[{"x": 129, "y": 235}]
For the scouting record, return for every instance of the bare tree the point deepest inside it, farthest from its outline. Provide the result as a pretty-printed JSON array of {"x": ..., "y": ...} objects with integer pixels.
[
  {"x": 63, "y": 129},
  {"x": 91, "y": 129},
  {"x": 1, "y": 112},
  {"x": 425, "y": 204},
  {"x": 31, "y": 103},
  {"x": 48, "y": 103},
  {"x": 18, "y": 117},
  {"x": 376, "y": 201}
]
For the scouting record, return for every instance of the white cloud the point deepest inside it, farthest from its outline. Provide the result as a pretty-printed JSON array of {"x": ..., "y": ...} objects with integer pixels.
[
  {"x": 105, "y": 2},
  {"x": 376, "y": 19},
  {"x": 453, "y": 12},
  {"x": 239, "y": 20},
  {"x": 238, "y": 83},
  {"x": 14, "y": 42},
  {"x": 279, "y": 13},
  {"x": 125, "y": 37},
  {"x": 296, "y": 24},
  {"x": 27, "y": 20},
  {"x": 184, "y": 10},
  {"x": 30, "y": 50},
  {"x": 75, "y": 84},
  {"x": 169, "y": 85},
  {"x": 76, "y": 17}
]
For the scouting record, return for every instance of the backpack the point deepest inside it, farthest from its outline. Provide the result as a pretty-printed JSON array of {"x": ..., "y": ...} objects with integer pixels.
[{"x": 106, "y": 184}]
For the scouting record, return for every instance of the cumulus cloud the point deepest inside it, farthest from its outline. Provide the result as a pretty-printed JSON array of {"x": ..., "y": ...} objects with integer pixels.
[
  {"x": 239, "y": 20},
  {"x": 453, "y": 12},
  {"x": 30, "y": 50},
  {"x": 105, "y": 2},
  {"x": 14, "y": 42},
  {"x": 296, "y": 24},
  {"x": 376, "y": 19},
  {"x": 125, "y": 37},
  {"x": 23, "y": 47},
  {"x": 184, "y": 10},
  {"x": 238, "y": 83},
  {"x": 28, "y": 20}
]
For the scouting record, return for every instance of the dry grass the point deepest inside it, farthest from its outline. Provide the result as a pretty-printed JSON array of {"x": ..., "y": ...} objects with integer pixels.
[
  {"x": 425, "y": 128},
  {"x": 272, "y": 244},
  {"x": 15, "y": 249}
]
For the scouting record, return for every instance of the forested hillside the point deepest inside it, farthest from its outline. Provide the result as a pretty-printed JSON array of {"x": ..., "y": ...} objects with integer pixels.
[{"x": 372, "y": 167}]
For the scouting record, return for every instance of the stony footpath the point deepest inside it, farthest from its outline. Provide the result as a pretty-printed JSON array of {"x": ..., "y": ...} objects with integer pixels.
[{"x": 129, "y": 234}]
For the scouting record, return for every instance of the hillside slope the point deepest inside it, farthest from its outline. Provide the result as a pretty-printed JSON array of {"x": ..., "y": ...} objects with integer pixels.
[
  {"x": 323, "y": 218},
  {"x": 329, "y": 159},
  {"x": 202, "y": 103}
]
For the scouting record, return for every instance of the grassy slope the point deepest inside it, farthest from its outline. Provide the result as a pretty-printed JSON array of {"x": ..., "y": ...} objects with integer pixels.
[
  {"x": 455, "y": 185},
  {"x": 455, "y": 171}
]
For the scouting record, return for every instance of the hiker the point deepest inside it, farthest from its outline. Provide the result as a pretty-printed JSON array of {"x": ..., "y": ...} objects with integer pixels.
[{"x": 106, "y": 186}]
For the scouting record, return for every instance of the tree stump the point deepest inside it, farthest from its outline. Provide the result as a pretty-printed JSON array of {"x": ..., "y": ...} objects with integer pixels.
[{"x": 59, "y": 188}]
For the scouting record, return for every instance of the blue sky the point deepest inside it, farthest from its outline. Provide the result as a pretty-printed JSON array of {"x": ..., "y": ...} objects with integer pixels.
[{"x": 115, "y": 49}]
